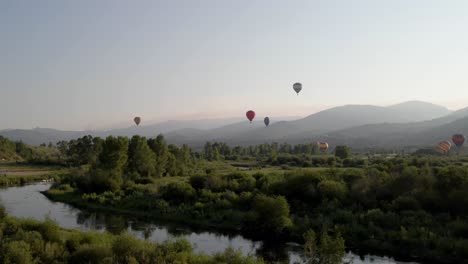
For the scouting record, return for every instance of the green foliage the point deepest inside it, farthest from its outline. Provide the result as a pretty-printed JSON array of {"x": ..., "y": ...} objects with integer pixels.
[
  {"x": 271, "y": 214},
  {"x": 114, "y": 154},
  {"x": 332, "y": 189},
  {"x": 81, "y": 151},
  {"x": 329, "y": 250},
  {"x": 49, "y": 230},
  {"x": 91, "y": 254},
  {"x": 107, "y": 172},
  {"x": 2, "y": 211},
  {"x": 232, "y": 256},
  {"x": 29, "y": 243},
  {"x": 342, "y": 152},
  {"x": 178, "y": 192},
  {"x": 141, "y": 160},
  {"x": 160, "y": 149},
  {"x": 7, "y": 149},
  {"x": 408, "y": 207},
  {"x": 17, "y": 252}
]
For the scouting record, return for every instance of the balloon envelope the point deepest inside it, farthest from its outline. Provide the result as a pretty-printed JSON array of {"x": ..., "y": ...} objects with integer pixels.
[
  {"x": 137, "y": 120},
  {"x": 297, "y": 87},
  {"x": 323, "y": 146},
  {"x": 250, "y": 115},
  {"x": 444, "y": 146},
  {"x": 267, "y": 121},
  {"x": 458, "y": 139}
]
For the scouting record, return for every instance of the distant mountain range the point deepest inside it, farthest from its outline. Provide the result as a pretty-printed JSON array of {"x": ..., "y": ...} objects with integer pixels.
[{"x": 411, "y": 123}]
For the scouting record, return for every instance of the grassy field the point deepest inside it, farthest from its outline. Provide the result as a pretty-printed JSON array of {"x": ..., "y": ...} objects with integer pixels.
[
  {"x": 17, "y": 174},
  {"x": 13, "y": 169}
]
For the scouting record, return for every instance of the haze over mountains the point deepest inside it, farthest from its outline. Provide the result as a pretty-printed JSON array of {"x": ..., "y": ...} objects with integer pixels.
[{"x": 411, "y": 123}]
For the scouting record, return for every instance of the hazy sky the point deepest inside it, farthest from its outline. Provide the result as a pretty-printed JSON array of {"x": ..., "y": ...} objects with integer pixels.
[{"x": 83, "y": 64}]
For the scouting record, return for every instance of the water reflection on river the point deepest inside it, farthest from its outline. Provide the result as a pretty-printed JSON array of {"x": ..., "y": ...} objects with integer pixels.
[{"x": 28, "y": 202}]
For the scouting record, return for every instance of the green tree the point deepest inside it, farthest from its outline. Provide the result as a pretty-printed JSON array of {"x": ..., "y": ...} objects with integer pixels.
[
  {"x": 141, "y": 159},
  {"x": 107, "y": 173},
  {"x": 159, "y": 147},
  {"x": 23, "y": 150},
  {"x": 7, "y": 149},
  {"x": 81, "y": 151},
  {"x": 271, "y": 214},
  {"x": 208, "y": 151},
  {"x": 332, "y": 189},
  {"x": 329, "y": 250},
  {"x": 114, "y": 154},
  {"x": 171, "y": 165},
  {"x": 342, "y": 152}
]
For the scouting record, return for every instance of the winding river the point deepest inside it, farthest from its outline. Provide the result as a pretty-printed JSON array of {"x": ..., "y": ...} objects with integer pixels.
[{"x": 27, "y": 202}]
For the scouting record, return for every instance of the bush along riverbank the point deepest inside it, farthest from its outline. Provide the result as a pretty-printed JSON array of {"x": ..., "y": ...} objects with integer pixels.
[{"x": 29, "y": 241}]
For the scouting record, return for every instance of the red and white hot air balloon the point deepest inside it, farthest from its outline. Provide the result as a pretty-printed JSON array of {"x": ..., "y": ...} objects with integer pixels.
[{"x": 458, "y": 139}]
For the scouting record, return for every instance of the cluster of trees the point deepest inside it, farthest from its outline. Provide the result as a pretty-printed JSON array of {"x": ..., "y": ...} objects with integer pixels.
[
  {"x": 20, "y": 152},
  {"x": 164, "y": 159},
  {"x": 114, "y": 160},
  {"x": 220, "y": 150},
  {"x": 301, "y": 155},
  {"x": 29, "y": 241}
]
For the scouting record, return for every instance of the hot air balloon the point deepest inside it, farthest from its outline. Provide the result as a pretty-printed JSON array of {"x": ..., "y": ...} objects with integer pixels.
[
  {"x": 266, "y": 120},
  {"x": 323, "y": 146},
  {"x": 297, "y": 87},
  {"x": 444, "y": 146},
  {"x": 250, "y": 115},
  {"x": 137, "y": 120},
  {"x": 458, "y": 139}
]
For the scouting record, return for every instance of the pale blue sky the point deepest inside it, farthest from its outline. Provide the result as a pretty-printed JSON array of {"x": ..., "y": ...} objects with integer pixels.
[{"x": 83, "y": 64}]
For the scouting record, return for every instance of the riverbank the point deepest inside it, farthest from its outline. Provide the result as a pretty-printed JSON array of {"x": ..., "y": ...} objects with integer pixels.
[
  {"x": 12, "y": 174},
  {"x": 9, "y": 181},
  {"x": 142, "y": 211},
  {"x": 31, "y": 241},
  {"x": 28, "y": 202},
  {"x": 188, "y": 218}
]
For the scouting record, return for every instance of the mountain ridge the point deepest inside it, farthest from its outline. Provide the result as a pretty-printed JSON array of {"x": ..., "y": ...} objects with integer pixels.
[{"x": 368, "y": 124}]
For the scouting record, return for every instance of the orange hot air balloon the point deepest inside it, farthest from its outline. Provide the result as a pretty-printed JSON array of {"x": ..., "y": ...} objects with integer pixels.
[
  {"x": 444, "y": 146},
  {"x": 250, "y": 115},
  {"x": 137, "y": 120},
  {"x": 322, "y": 146}
]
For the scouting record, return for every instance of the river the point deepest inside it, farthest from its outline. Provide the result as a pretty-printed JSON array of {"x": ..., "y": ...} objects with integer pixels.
[{"x": 27, "y": 202}]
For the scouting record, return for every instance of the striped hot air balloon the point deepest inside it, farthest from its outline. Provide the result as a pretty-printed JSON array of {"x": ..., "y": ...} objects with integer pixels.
[
  {"x": 444, "y": 146},
  {"x": 458, "y": 139},
  {"x": 323, "y": 146}
]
